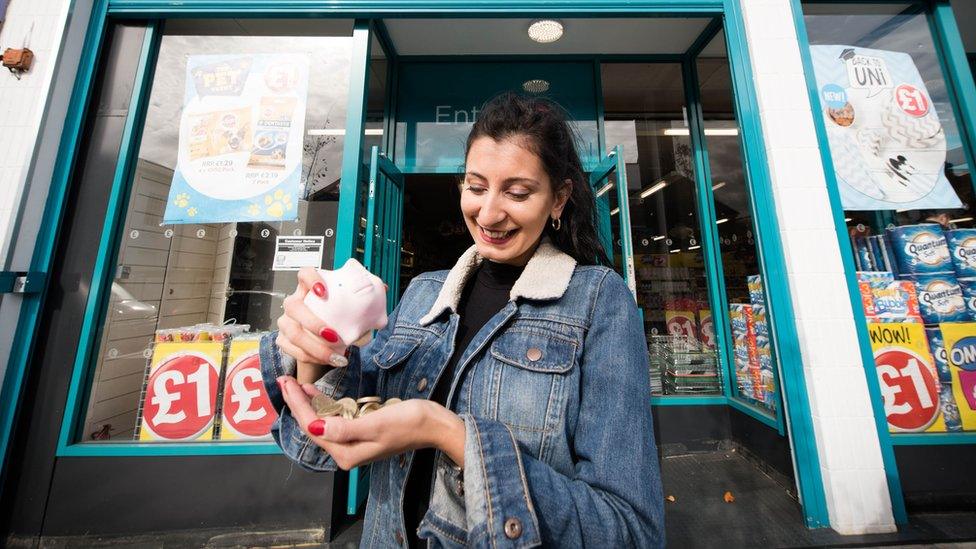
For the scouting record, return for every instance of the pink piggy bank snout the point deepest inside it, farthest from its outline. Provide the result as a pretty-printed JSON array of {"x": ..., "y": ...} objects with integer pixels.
[{"x": 355, "y": 301}]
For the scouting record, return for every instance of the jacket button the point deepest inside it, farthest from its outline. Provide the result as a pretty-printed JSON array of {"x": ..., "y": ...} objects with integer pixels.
[
  {"x": 402, "y": 460},
  {"x": 460, "y": 487},
  {"x": 422, "y": 384},
  {"x": 399, "y": 538},
  {"x": 533, "y": 354},
  {"x": 513, "y": 528}
]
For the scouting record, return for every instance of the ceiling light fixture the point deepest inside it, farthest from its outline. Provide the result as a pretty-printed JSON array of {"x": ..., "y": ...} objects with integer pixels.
[
  {"x": 659, "y": 237},
  {"x": 545, "y": 31},
  {"x": 342, "y": 131},
  {"x": 535, "y": 86},
  {"x": 653, "y": 189},
  {"x": 604, "y": 190},
  {"x": 720, "y": 221},
  {"x": 615, "y": 211},
  {"x": 960, "y": 220},
  {"x": 708, "y": 131},
  {"x": 718, "y": 185}
]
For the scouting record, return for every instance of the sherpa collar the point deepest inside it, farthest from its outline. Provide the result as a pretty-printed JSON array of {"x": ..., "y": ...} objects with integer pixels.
[{"x": 546, "y": 276}]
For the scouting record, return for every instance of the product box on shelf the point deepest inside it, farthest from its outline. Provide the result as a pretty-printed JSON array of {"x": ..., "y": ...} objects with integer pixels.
[
  {"x": 920, "y": 249},
  {"x": 940, "y": 299},
  {"x": 962, "y": 249},
  {"x": 968, "y": 286},
  {"x": 756, "y": 294},
  {"x": 885, "y": 299},
  {"x": 745, "y": 344}
]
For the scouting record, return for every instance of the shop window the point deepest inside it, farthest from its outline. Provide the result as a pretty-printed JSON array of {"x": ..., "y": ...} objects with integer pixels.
[
  {"x": 753, "y": 357},
  {"x": 643, "y": 109},
  {"x": 236, "y": 185},
  {"x": 902, "y": 166}
]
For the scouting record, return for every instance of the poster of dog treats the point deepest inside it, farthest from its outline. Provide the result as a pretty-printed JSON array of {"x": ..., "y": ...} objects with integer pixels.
[
  {"x": 271, "y": 133},
  {"x": 886, "y": 141},
  {"x": 240, "y": 139}
]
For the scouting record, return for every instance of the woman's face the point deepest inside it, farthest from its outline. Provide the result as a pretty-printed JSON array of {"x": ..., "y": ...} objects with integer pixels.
[{"x": 507, "y": 199}]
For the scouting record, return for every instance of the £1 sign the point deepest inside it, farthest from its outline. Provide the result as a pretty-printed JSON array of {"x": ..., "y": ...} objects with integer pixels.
[
  {"x": 181, "y": 398},
  {"x": 247, "y": 410},
  {"x": 909, "y": 388}
]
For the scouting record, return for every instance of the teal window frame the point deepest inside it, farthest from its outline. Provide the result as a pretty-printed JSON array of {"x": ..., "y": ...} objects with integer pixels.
[
  {"x": 962, "y": 96},
  {"x": 154, "y": 12}
]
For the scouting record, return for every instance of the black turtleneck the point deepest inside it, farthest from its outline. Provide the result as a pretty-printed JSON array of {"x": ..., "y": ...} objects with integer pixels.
[{"x": 485, "y": 293}]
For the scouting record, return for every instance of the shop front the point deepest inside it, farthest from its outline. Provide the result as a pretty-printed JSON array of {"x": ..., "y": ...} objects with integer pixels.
[
  {"x": 896, "y": 124},
  {"x": 211, "y": 149}
]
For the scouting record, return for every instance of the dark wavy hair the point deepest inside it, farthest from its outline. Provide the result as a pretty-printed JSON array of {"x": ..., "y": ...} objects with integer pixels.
[{"x": 542, "y": 127}]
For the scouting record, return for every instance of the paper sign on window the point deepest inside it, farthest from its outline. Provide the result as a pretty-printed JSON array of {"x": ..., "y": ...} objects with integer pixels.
[
  {"x": 180, "y": 396},
  {"x": 240, "y": 140},
  {"x": 886, "y": 141}
]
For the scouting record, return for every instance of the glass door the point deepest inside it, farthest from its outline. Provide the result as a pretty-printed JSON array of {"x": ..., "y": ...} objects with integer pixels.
[
  {"x": 611, "y": 175},
  {"x": 384, "y": 223},
  {"x": 381, "y": 256}
]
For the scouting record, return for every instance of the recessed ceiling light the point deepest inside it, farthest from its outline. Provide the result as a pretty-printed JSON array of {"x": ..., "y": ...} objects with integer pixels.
[
  {"x": 545, "y": 31},
  {"x": 535, "y": 86}
]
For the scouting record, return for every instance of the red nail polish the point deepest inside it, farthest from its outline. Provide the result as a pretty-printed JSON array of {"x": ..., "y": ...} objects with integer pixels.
[
  {"x": 329, "y": 335},
  {"x": 319, "y": 289},
  {"x": 317, "y": 427}
]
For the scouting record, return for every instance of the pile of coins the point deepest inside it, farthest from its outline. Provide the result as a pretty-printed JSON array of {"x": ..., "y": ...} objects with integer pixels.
[{"x": 348, "y": 408}]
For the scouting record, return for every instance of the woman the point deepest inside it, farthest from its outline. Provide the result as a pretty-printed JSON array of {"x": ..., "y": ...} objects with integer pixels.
[{"x": 526, "y": 417}]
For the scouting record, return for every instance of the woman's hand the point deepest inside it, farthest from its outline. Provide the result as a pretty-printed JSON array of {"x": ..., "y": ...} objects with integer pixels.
[
  {"x": 392, "y": 430},
  {"x": 303, "y": 335}
]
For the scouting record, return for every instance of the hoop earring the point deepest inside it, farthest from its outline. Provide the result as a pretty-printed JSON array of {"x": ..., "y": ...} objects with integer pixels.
[{"x": 556, "y": 223}]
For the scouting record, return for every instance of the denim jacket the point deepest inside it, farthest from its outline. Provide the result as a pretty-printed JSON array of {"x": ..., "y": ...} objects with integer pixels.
[{"x": 559, "y": 446}]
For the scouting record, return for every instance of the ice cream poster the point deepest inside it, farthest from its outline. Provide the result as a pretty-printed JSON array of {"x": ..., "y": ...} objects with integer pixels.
[
  {"x": 240, "y": 140},
  {"x": 886, "y": 141}
]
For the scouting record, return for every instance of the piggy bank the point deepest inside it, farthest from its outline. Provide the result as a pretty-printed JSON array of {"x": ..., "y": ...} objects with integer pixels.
[{"x": 355, "y": 302}]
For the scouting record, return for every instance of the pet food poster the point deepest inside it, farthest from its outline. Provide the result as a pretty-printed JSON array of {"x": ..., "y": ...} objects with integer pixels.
[
  {"x": 886, "y": 141},
  {"x": 240, "y": 141}
]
